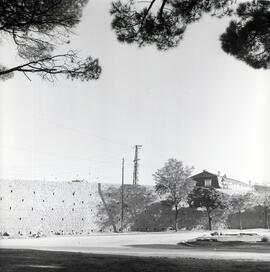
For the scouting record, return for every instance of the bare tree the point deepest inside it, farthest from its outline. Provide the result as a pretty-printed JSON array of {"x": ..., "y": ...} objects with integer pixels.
[
  {"x": 38, "y": 28},
  {"x": 136, "y": 199}
]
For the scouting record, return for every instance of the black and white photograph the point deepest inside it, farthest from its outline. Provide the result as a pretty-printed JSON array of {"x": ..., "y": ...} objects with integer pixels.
[{"x": 134, "y": 135}]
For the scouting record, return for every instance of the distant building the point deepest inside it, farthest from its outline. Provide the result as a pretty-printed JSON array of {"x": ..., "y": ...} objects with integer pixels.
[{"x": 222, "y": 183}]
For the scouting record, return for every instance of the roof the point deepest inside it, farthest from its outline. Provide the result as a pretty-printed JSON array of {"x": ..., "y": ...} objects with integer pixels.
[
  {"x": 204, "y": 174},
  {"x": 230, "y": 180}
]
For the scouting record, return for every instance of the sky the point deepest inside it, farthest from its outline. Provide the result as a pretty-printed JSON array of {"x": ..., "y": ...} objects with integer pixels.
[{"x": 193, "y": 103}]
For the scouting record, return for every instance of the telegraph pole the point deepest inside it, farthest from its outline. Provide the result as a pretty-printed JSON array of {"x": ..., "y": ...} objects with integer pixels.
[
  {"x": 136, "y": 164},
  {"x": 122, "y": 194}
]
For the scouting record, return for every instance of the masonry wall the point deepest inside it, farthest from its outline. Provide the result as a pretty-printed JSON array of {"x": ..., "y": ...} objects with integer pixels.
[{"x": 29, "y": 207}]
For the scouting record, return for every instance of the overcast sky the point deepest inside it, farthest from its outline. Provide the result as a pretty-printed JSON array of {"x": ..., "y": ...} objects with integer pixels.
[{"x": 193, "y": 103}]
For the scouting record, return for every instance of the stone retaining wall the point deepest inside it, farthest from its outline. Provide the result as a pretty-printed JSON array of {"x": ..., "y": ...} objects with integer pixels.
[{"x": 31, "y": 207}]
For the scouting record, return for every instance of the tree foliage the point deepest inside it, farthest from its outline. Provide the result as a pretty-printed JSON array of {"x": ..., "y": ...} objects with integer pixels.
[
  {"x": 248, "y": 38},
  {"x": 136, "y": 199},
  {"x": 159, "y": 216},
  {"x": 208, "y": 198},
  {"x": 143, "y": 27},
  {"x": 173, "y": 183},
  {"x": 240, "y": 203},
  {"x": 38, "y": 28},
  {"x": 263, "y": 199},
  {"x": 155, "y": 217},
  {"x": 163, "y": 23}
]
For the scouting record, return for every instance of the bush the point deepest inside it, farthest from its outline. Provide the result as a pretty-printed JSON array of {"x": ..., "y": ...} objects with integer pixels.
[
  {"x": 252, "y": 218},
  {"x": 6, "y": 234},
  {"x": 264, "y": 239}
]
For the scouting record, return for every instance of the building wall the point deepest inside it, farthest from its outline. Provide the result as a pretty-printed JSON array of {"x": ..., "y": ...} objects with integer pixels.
[
  {"x": 29, "y": 207},
  {"x": 228, "y": 185},
  {"x": 237, "y": 188},
  {"x": 200, "y": 180}
]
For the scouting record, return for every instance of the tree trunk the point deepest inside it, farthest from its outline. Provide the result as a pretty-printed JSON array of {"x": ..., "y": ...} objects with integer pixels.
[
  {"x": 176, "y": 218},
  {"x": 209, "y": 220},
  {"x": 106, "y": 208},
  {"x": 240, "y": 220}
]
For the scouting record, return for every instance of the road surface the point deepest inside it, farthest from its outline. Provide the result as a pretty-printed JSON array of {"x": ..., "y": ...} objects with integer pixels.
[{"x": 132, "y": 244}]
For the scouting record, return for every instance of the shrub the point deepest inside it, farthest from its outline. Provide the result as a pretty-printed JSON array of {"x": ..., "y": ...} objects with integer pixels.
[{"x": 264, "y": 239}]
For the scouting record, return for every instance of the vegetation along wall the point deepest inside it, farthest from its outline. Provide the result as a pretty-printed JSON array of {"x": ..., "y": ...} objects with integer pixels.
[{"x": 32, "y": 208}]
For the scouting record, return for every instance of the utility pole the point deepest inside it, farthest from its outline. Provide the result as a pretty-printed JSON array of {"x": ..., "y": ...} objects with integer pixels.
[
  {"x": 136, "y": 164},
  {"x": 122, "y": 195}
]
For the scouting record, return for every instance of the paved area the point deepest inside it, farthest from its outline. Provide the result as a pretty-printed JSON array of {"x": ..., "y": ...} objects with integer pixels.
[{"x": 133, "y": 244}]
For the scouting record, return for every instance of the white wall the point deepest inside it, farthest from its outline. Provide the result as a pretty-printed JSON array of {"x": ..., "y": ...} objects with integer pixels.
[{"x": 29, "y": 207}]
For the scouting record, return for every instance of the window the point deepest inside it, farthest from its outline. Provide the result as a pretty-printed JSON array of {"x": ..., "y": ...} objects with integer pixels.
[{"x": 207, "y": 182}]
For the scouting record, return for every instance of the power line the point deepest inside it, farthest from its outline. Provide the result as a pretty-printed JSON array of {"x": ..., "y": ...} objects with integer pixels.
[
  {"x": 78, "y": 131},
  {"x": 50, "y": 154}
]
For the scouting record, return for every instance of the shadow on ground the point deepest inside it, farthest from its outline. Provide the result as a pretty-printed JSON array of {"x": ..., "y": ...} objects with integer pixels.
[
  {"x": 12, "y": 260},
  {"x": 212, "y": 245}
]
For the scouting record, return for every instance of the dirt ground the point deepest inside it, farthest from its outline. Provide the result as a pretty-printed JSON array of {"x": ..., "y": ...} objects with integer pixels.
[{"x": 12, "y": 260}]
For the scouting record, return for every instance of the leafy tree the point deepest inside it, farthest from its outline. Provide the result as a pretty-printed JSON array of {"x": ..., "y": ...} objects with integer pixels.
[
  {"x": 163, "y": 23},
  {"x": 173, "y": 183},
  {"x": 207, "y": 198},
  {"x": 155, "y": 217},
  {"x": 143, "y": 27},
  {"x": 248, "y": 38},
  {"x": 263, "y": 199},
  {"x": 239, "y": 203},
  {"x": 38, "y": 28},
  {"x": 136, "y": 199},
  {"x": 159, "y": 216}
]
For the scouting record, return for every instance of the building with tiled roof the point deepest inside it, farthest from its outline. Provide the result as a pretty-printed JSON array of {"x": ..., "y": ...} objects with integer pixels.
[{"x": 222, "y": 183}]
